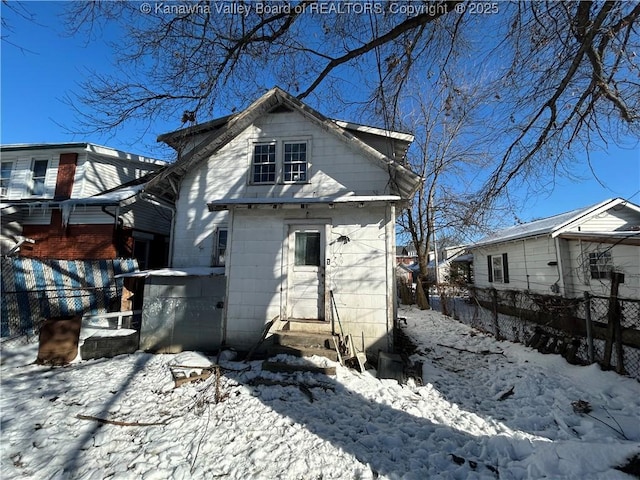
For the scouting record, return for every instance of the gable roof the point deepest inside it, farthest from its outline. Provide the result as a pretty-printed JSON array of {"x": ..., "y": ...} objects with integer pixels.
[
  {"x": 552, "y": 226},
  {"x": 217, "y": 133}
]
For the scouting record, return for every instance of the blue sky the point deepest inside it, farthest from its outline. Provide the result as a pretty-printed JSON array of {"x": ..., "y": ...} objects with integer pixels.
[{"x": 41, "y": 66}]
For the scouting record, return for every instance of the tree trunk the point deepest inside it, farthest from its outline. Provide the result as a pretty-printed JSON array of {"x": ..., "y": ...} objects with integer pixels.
[{"x": 422, "y": 294}]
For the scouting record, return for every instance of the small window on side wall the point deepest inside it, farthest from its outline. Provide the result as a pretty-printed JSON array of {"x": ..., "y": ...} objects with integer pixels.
[
  {"x": 600, "y": 265},
  {"x": 5, "y": 178},
  {"x": 498, "y": 268},
  {"x": 220, "y": 248}
]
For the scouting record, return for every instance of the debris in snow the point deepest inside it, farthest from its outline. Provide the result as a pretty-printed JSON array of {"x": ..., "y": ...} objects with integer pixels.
[
  {"x": 581, "y": 406},
  {"x": 120, "y": 423},
  {"x": 505, "y": 394},
  {"x": 482, "y": 352}
]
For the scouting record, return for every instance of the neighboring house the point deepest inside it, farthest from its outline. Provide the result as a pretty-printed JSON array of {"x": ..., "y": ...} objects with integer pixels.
[
  {"x": 444, "y": 261},
  {"x": 296, "y": 206},
  {"x": 566, "y": 254},
  {"x": 406, "y": 255},
  {"x": 445, "y": 258},
  {"x": 79, "y": 201}
]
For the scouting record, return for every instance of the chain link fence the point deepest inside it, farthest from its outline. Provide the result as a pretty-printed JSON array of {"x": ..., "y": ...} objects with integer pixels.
[
  {"x": 590, "y": 329},
  {"x": 26, "y": 311},
  {"x": 34, "y": 290}
]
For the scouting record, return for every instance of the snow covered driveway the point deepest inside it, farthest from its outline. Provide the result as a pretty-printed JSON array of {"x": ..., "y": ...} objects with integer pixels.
[{"x": 487, "y": 409}]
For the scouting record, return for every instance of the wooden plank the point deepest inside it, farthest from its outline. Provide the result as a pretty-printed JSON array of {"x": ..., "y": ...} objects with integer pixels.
[
  {"x": 613, "y": 317},
  {"x": 289, "y": 368},
  {"x": 270, "y": 327},
  {"x": 203, "y": 376}
]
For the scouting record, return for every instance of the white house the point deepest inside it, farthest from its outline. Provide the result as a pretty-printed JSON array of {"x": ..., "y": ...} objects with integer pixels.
[
  {"x": 74, "y": 201},
  {"x": 298, "y": 208},
  {"x": 566, "y": 254}
]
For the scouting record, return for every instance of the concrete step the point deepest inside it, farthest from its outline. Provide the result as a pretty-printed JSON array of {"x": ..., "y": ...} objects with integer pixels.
[
  {"x": 304, "y": 339},
  {"x": 315, "y": 326},
  {"x": 302, "y": 351}
]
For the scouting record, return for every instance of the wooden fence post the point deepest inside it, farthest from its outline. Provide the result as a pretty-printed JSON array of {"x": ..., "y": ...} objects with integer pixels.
[
  {"x": 614, "y": 330},
  {"x": 494, "y": 307},
  {"x": 587, "y": 316}
]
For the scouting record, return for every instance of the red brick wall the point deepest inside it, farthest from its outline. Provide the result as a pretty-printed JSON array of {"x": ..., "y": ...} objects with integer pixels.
[
  {"x": 75, "y": 242},
  {"x": 66, "y": 174}
]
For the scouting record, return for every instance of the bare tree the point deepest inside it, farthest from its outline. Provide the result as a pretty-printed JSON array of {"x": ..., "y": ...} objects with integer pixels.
[
  {"x": 554, "y": 76},
  {"x": 444, "y": 115},
  {"x": 563, "y": 72}
]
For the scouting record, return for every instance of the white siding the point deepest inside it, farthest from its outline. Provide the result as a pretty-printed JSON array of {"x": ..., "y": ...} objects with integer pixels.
[
  {"x": 97, "y": 173},
  {"x": 625, "y": 259},
  {"x": 146, "y": 217},
  {"x": 20, "y": 184},
  {"x": 226, "y": 175},
  {"x": 617, "y": 218},
  {"x": 257, "y": 276},
  {"x": 528, "y": 265},
  {"x": 358, "y": 275},
  {"x": 255, "y": 280},
  {"x": 356, "y": 271}
]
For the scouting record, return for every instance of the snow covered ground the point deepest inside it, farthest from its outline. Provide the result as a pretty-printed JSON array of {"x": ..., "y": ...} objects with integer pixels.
[{"x": 487, "y": 409}]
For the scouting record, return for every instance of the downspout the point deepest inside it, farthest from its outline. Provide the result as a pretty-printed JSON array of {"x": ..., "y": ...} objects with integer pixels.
[
  {"x": 391, "y": 277},
  {"x": 526, "y": 269},
  {"x": 556, "y": 241},
  {"x": 117, "y": 226},
  {"x": 148, "y": 198}
]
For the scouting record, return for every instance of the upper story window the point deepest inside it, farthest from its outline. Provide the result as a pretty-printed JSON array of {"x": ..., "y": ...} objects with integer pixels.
[
  {"x": 264, "y": 163},
  {"x": 5, "y": 178},
  {"x": 295, "y": 162},
  {"x": 280, "y": 162},
  {"x": 38, "y": 177},
  {"x": 498, "y": 268}
]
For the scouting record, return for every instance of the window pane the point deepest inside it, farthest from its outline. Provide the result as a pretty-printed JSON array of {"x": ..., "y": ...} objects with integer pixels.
[
  {"x": 497, "y": 269},
  {"x": 264, "y": 163},
  {"x": 295, "y": 162},
  {"x": 600, "y": 264},
  {"x": 38, "y": 176},
  {"x": 5, "y": 178},
  {"x": 222, "y": 246},
  {"x": 307, "y": 248}
]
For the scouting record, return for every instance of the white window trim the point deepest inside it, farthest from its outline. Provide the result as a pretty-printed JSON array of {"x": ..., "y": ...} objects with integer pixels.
[
  {"x": 279, "y": 144},
  {"x": 495, "y": 269},
  {"x": 10, "y": 178},
  {"x": 253, "y": 164},
  {"x": 604, "y": 264},
  {"x": 503, "y": 268},
  {"x": 31, "y": 184},
  {"x": 215, "y": 255}
]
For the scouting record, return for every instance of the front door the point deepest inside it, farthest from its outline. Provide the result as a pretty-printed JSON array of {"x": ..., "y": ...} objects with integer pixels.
[{"x": 306, "y": 282}]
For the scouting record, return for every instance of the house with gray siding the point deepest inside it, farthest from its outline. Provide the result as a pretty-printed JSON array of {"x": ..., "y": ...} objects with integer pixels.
[
  {"x": 565, "y": 255},
  {"x": 300, "y": 211}
]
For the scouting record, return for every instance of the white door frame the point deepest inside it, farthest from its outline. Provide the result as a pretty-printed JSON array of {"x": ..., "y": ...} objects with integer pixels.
[{"x": 287, "y": 262}]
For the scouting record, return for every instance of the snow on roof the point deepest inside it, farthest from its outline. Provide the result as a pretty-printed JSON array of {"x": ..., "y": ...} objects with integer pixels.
[
  {"x": 546, "y": 226},
  {"x": 176, "y": 272},
  {"x": 114, "y": 197}
]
